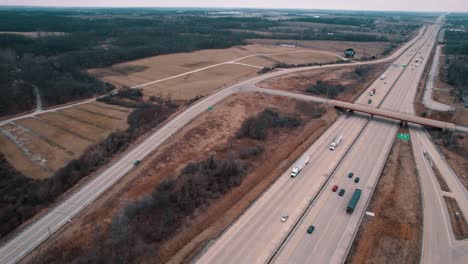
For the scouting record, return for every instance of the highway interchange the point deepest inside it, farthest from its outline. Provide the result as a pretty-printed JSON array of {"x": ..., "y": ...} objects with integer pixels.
[{"x": 259, "y": 236}]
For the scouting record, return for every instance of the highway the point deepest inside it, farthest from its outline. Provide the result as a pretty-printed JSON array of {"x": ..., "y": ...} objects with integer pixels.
[
  {"x": 24, "y": 241},
  {"x": 259, "y": 236}
]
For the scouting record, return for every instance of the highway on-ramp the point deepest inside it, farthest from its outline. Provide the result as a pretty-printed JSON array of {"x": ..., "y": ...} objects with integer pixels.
[{"x": 259, "y": 236}]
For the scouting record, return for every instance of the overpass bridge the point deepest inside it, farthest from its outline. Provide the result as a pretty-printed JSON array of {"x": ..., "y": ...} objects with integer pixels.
[{"x": 405, "y": 118}]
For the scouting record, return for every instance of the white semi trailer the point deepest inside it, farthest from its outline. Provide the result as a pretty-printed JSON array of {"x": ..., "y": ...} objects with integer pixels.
[
  {"x": 336, "y": 142},
  {"x": 300, "y": 165}
]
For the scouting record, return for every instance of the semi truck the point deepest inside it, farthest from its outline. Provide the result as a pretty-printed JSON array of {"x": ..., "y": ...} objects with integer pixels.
[
  {"x": 300, "y": 165},
  {"x": 335, "y": 142},
  {"x": 353, "y": 202}
]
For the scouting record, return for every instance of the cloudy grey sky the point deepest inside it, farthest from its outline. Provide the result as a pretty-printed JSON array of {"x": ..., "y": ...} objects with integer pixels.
[{"x": 412, "y": 5}]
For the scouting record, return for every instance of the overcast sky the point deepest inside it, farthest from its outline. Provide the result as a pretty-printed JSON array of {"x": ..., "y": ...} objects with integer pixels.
[{"x": 410, "y": 5}]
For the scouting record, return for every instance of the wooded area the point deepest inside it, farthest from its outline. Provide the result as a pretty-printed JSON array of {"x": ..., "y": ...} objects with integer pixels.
[
  {"x": 456, "y": 49},
  {"x": 97, "y": 38},
  {"x": 22, "y": 197}
]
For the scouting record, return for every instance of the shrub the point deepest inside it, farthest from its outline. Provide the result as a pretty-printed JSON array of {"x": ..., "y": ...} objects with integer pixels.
[
  {"x": 323, "y": 88},
  {"x": 257, "y": 127}
]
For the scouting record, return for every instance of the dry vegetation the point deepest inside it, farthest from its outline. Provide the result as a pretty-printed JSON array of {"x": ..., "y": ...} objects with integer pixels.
[
  {"x": 201, "y": 83},
  {"x": 300, "y": 57},
  {"x": 353, "y": 80},
  {"x": 453, "y": 146},
  {"x": 227, "y": 143},
  {"x": 205, "y": 81},
  {"x": 49, "y": 141},
  {"x": 457, "y": 219},
  {"x": 394, "y": 234},
  {"x": 23, "y": 197},
  {"x": 363, "y": 49}
]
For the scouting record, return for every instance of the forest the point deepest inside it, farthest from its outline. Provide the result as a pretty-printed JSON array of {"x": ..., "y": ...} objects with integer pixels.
[
  {"x": 55, "y": 65},
  {"x": 456, "y": 49}
]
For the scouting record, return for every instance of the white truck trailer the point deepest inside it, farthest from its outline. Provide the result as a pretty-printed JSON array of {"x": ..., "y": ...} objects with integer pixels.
[
  {"x": 300, "y": 165},
  {"x": 336, "y": 142}
]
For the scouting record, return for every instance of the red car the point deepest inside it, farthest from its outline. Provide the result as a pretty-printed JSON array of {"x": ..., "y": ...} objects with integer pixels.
[{"x": 335, "y": 188}]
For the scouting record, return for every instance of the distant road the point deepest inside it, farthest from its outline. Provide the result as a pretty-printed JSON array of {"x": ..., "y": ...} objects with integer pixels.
[
  {"x": 39, "y": 109},
  {"x": 428, "y": 101},
  {"x": 42, "y": 228}
]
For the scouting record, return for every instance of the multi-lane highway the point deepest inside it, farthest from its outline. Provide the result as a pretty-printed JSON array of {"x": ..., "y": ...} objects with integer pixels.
[
  {"x": 259, "y": 236},
  {"x": 25, "y": 240}
]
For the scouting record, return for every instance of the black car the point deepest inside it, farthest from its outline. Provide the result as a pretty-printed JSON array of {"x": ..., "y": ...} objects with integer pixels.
[
  {"x": 356, "y": 180},
  {"x": 341, "y": 193},
  {"x": 350, "y": 175},
  {"x": 310, "y": 229}
]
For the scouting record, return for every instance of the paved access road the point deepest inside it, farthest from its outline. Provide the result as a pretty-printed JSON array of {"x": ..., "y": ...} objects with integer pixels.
[
  {"x": 33, "y": 235},
  {"x": 259, "y": 233},
  {"x": 430, "y": 85}
]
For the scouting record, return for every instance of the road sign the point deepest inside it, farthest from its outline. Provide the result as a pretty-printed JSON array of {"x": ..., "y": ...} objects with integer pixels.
[
  {"x": 404, "y": 65},
  {"x": 403, "y": 136},
  {"x": 210, "y": 108}
]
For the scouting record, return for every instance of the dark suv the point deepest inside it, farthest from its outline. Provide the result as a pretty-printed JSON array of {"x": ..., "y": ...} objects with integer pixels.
[{"x": 341, "y": 193}]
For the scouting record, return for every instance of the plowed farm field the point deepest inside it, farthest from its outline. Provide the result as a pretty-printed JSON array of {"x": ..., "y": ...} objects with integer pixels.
[{"x": 39, "y": 146}]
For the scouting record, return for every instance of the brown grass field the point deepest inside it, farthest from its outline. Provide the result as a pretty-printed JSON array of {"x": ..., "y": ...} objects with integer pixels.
[
  {"x": 41, "y": 148},
  {"x": 306, "y": 56},
  {"x": 54, "y": 138},
  {"x": 163, "y": 66},
  {"x": 363, "y": 49},
  {"x": 22, "y": 163},
  {"x": 203, "y": 82}
]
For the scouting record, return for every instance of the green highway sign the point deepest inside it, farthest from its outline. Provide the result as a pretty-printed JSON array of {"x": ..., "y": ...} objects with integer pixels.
[
  {"x": 403, "y": 136},
  {"x": 210, "y": 108},
  {"x": 404, "y": 65}
]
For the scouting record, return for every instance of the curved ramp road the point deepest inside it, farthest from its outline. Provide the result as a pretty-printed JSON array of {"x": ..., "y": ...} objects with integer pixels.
[
  {"x": 33, "y": 235},
  {"x": 260, "y": 237},
  {"x": 431, "y": 81}
]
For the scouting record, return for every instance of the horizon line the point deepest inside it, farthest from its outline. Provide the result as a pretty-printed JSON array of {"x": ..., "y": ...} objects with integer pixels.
[{"x": 231, "y": 7}]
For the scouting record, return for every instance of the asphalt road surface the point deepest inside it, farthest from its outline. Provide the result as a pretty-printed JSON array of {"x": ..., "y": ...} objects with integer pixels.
[
  {"x": 430, "y": 85},
  {"x": 259, "y": 236}
]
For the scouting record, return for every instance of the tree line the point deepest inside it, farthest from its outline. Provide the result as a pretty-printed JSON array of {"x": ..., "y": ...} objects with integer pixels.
[{"x": 22, "y": 197}]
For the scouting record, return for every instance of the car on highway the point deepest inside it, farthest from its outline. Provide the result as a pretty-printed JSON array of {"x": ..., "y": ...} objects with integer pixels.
[
  {"x": 335, "y": 187},
  {"x": 356, "y": 180},
  {"x": 310, "y": 229},
  {"x": 341, "y": 193},
  {"x": 284, "y": 218},
  {"x": 350, "y": 175},
  {"x": 136, "y": 162}
]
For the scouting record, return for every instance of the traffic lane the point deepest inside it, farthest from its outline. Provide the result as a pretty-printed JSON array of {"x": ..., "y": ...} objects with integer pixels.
[
  {"x": 401, "y": 92},
  {"x": 240, "y": 227},
  {"x": 328, "y": 227},
  {"x": 264, "y": 227},
  {"x": 435, "y": 235},
  {"x": 9, "y": 244},
  {"x": 32, "y": 237}
]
